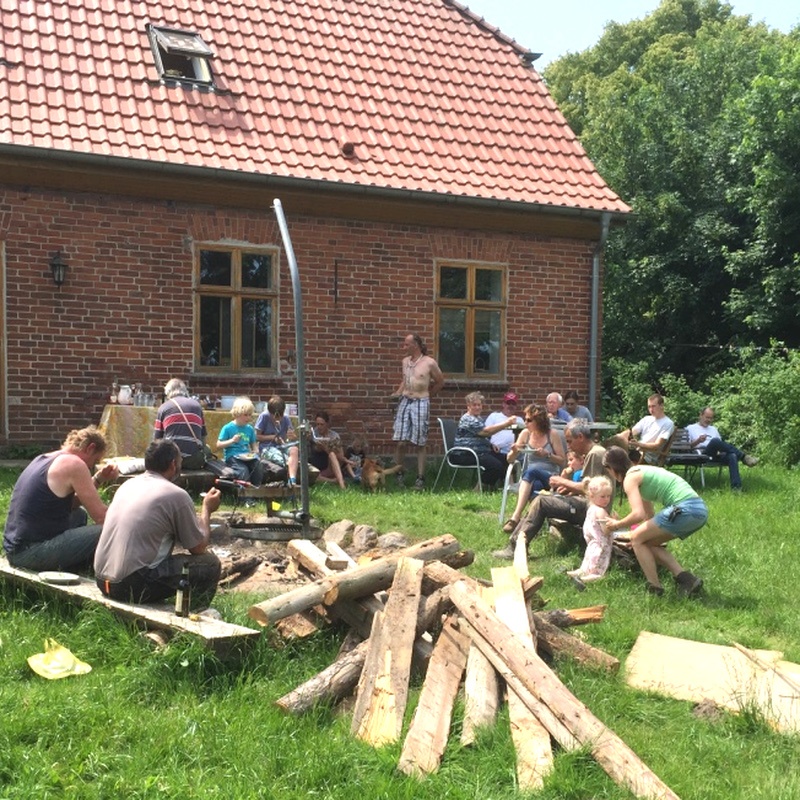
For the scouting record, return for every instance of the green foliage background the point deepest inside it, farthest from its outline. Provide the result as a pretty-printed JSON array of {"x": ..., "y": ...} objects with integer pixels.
[{"x": 692, "y": 115}]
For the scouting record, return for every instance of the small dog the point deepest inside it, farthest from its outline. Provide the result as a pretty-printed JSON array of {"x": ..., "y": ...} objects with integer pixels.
[{"x": 373, "y": 474}]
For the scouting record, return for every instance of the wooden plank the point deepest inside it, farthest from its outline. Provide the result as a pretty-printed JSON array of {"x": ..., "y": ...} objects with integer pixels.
[
  {"x": 729, "y": 677},
  {"x": 528, "y": 675},
  {"x": 216, "y": 633},
  {"x": 481, "y": 688},
  {"x": 383, "y": 688},
  {"x": 521, "y": 557},
  {"x": 554, "y": 641},
  {"x": 338, "y": 558},
  {"x": 430, "y": 727},
  {"x": 531, "y": 739}
]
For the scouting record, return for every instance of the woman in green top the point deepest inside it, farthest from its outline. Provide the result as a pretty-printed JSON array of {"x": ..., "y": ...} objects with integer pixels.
[{"x": 684, "y": 513}]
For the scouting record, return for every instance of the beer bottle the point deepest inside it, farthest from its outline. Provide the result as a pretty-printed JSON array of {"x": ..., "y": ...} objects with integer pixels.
[{"x": 183, "y": 595}]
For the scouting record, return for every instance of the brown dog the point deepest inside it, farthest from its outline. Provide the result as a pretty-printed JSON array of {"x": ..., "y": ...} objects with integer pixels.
[{"x": 374, "y": 475}]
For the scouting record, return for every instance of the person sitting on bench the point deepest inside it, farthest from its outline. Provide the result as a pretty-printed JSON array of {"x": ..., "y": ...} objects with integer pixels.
[
  {"x": 148, "y": 516},
  {"x": 706, "y": 439}
]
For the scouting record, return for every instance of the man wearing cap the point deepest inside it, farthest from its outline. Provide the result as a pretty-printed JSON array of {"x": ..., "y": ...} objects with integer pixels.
[{"x": 502, "y": 440}]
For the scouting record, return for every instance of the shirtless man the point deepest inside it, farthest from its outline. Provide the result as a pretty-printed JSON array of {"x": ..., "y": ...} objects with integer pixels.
[
  {"x": 422, "y": 379},
  {"x": 46, "y": 528}
]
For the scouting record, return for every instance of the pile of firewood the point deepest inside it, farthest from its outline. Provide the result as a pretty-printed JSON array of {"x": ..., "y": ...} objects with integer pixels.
[{"x": 414, "y": 608}]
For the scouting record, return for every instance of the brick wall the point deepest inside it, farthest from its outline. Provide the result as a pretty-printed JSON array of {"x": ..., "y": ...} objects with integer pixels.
[{"x": 125, "y": 310}]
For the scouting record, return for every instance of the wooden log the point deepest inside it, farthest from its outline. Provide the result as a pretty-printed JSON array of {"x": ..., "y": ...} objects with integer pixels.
[
  {"x": 437, "y": 574},
  {"x": 348, "y": 585},
  {"x": 527, "y": 674},
  {"x": 383, "y": 686},
  {"x": 333, "y": 683},
  {"x": 430, "y": 727},
  {"x": 298, "y": 626},
  {"x": 459, "y": 560},
  {"x": 530, "y": 737},
  {"x": 554, "y": 641},
  {"x": 566, "y": 618},
  {"x": 481, "y": 687}
]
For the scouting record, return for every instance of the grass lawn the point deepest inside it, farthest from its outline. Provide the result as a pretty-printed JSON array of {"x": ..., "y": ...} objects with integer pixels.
[{"x": 179, "y": 723}]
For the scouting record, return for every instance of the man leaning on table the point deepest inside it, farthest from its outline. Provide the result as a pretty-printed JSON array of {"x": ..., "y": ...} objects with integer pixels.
[{"x": 147, "y": 518}]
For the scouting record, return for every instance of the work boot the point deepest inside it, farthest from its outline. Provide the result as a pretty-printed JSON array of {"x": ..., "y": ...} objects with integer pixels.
[
  {"x": 688, "y": 584},
  {"x": 750, "y": 461},
  {"x": 506, "y": 554},
  {"x": 419, "y": 483}
]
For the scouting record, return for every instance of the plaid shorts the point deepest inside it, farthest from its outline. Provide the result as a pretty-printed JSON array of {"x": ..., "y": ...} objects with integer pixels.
[{"x": 411, "y": 422}]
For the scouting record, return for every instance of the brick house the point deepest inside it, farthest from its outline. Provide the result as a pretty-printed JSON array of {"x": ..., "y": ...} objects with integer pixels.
[{"x": 429, "y": 182}]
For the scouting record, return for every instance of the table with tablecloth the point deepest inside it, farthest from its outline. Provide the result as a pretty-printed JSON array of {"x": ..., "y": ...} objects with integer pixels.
[{"x": 129, "y": 429}]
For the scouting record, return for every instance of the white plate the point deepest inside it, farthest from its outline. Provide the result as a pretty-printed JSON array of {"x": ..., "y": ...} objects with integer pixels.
[{"x": 61, "y": 578}]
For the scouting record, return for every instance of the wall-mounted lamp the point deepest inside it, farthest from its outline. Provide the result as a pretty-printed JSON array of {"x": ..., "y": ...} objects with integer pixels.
[{"x": 59, "y": 269}]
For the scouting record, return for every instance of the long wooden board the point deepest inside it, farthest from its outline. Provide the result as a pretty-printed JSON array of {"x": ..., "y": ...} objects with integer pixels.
[
  {"x": 217, "y": 634},
  {"x": 531, "y": 739},
  {"x": 688, "y": 670}
]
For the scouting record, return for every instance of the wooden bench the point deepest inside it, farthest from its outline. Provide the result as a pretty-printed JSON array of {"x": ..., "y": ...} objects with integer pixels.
[
  {"x": 681, "y": 454},
  {"x": 216, "y": 634}
]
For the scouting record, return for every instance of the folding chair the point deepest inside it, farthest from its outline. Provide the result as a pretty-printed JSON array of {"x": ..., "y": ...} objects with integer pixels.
[
  {"x": 449, "y": 427},
  {"x": 516, "y": 469}
]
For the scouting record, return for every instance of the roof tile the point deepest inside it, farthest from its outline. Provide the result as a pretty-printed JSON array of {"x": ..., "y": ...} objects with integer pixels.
[{"x": 433, "y": 98}]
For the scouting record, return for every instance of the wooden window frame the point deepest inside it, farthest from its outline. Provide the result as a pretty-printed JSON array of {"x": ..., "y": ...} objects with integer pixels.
[
  {"x": 237, "y": 293},
  {"x": 471, "y": 305}
]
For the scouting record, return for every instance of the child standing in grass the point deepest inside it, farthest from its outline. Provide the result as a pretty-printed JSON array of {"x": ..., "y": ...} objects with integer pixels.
[{"x": 598, "y": 542}]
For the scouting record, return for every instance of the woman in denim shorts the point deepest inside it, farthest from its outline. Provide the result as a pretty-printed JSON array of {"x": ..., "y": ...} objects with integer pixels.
[{"x": 684, "y": 512}]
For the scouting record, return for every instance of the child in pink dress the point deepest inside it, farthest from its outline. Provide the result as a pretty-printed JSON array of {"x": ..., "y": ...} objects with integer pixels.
[{"x": 598, "y": 542}]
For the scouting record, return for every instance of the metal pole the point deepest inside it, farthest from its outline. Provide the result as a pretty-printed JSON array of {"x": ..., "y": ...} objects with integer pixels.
[{"x": 303, "y": 432}]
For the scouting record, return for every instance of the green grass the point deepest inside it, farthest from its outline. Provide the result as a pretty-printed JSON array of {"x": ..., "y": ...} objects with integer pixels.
[{"x": 180, "y": 723}]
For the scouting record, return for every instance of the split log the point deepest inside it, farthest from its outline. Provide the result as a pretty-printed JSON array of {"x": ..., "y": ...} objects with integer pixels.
[
  {"x": 338, "y": 558},
  {"x": 555, "y": 641},
  {"x": 527, "y": 674},
  {"x": 481, "y": 687},
  {"x": 530, "y": 737},
  {"x": 234, "y": 569},
  {"x": 427, "y": 735},
  {"x": 298, "y": 626},
  {"x": 566, "y": 618},
  {"x": 383, "y": 686},
  {"x": 459, "y": 560},
  {"x": 351, "y": 584}
]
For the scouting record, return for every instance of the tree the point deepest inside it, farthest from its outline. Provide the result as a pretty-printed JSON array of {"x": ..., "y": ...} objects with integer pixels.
[{"x": 664, "y": 107}]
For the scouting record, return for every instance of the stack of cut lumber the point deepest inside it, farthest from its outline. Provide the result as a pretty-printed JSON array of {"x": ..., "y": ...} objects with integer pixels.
[{"x": 415, "y": 609}]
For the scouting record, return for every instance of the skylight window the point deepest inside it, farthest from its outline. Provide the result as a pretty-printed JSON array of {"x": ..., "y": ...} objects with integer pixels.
[{"x": 180, "y": 55}]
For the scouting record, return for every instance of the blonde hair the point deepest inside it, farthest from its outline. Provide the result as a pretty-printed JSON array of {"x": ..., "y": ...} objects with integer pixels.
[
  {"x": 242, "y": 407},
  {"x": 597, "y": 484},
  {"x": 81, "y": 439}
]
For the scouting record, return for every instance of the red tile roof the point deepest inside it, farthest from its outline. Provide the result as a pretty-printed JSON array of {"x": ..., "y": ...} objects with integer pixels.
[{"x": 432, "y": 98}]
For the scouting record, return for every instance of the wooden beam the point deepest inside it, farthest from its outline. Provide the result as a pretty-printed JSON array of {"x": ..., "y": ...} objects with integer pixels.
[
  {"x": 430, "y": 727},
  {"x": 531, "y": 739},
  {"x": 383, "y": 687},
  {"x": 525, "y": 671}
]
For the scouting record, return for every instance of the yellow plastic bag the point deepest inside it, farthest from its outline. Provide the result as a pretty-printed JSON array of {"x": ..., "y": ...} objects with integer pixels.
[{"x": 56, "y": 662}]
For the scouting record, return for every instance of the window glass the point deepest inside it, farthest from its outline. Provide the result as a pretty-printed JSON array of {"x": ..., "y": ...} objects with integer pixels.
[
  {"x": 489, "y": 285},
  {"x": 453, "y": 283},
  {"x": 256, "y": 334},
  {"x": 486, "y": 352},
  {"x": 215, "y": 331},
  {"x": 452, "y": 352},
  {"x": 257, "y": 270},
  {"x": 215, "y": 268}
]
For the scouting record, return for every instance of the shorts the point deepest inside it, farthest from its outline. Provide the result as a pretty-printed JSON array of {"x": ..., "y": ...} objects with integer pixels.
[
  {"x": 411, "y": 421},
  {"x": 683, "y": 519}
]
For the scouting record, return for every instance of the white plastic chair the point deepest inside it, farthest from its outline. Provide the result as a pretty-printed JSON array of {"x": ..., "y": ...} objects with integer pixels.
[
  {"x": 449, "y": 427},
  {"x": 514, "y": 475}
]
